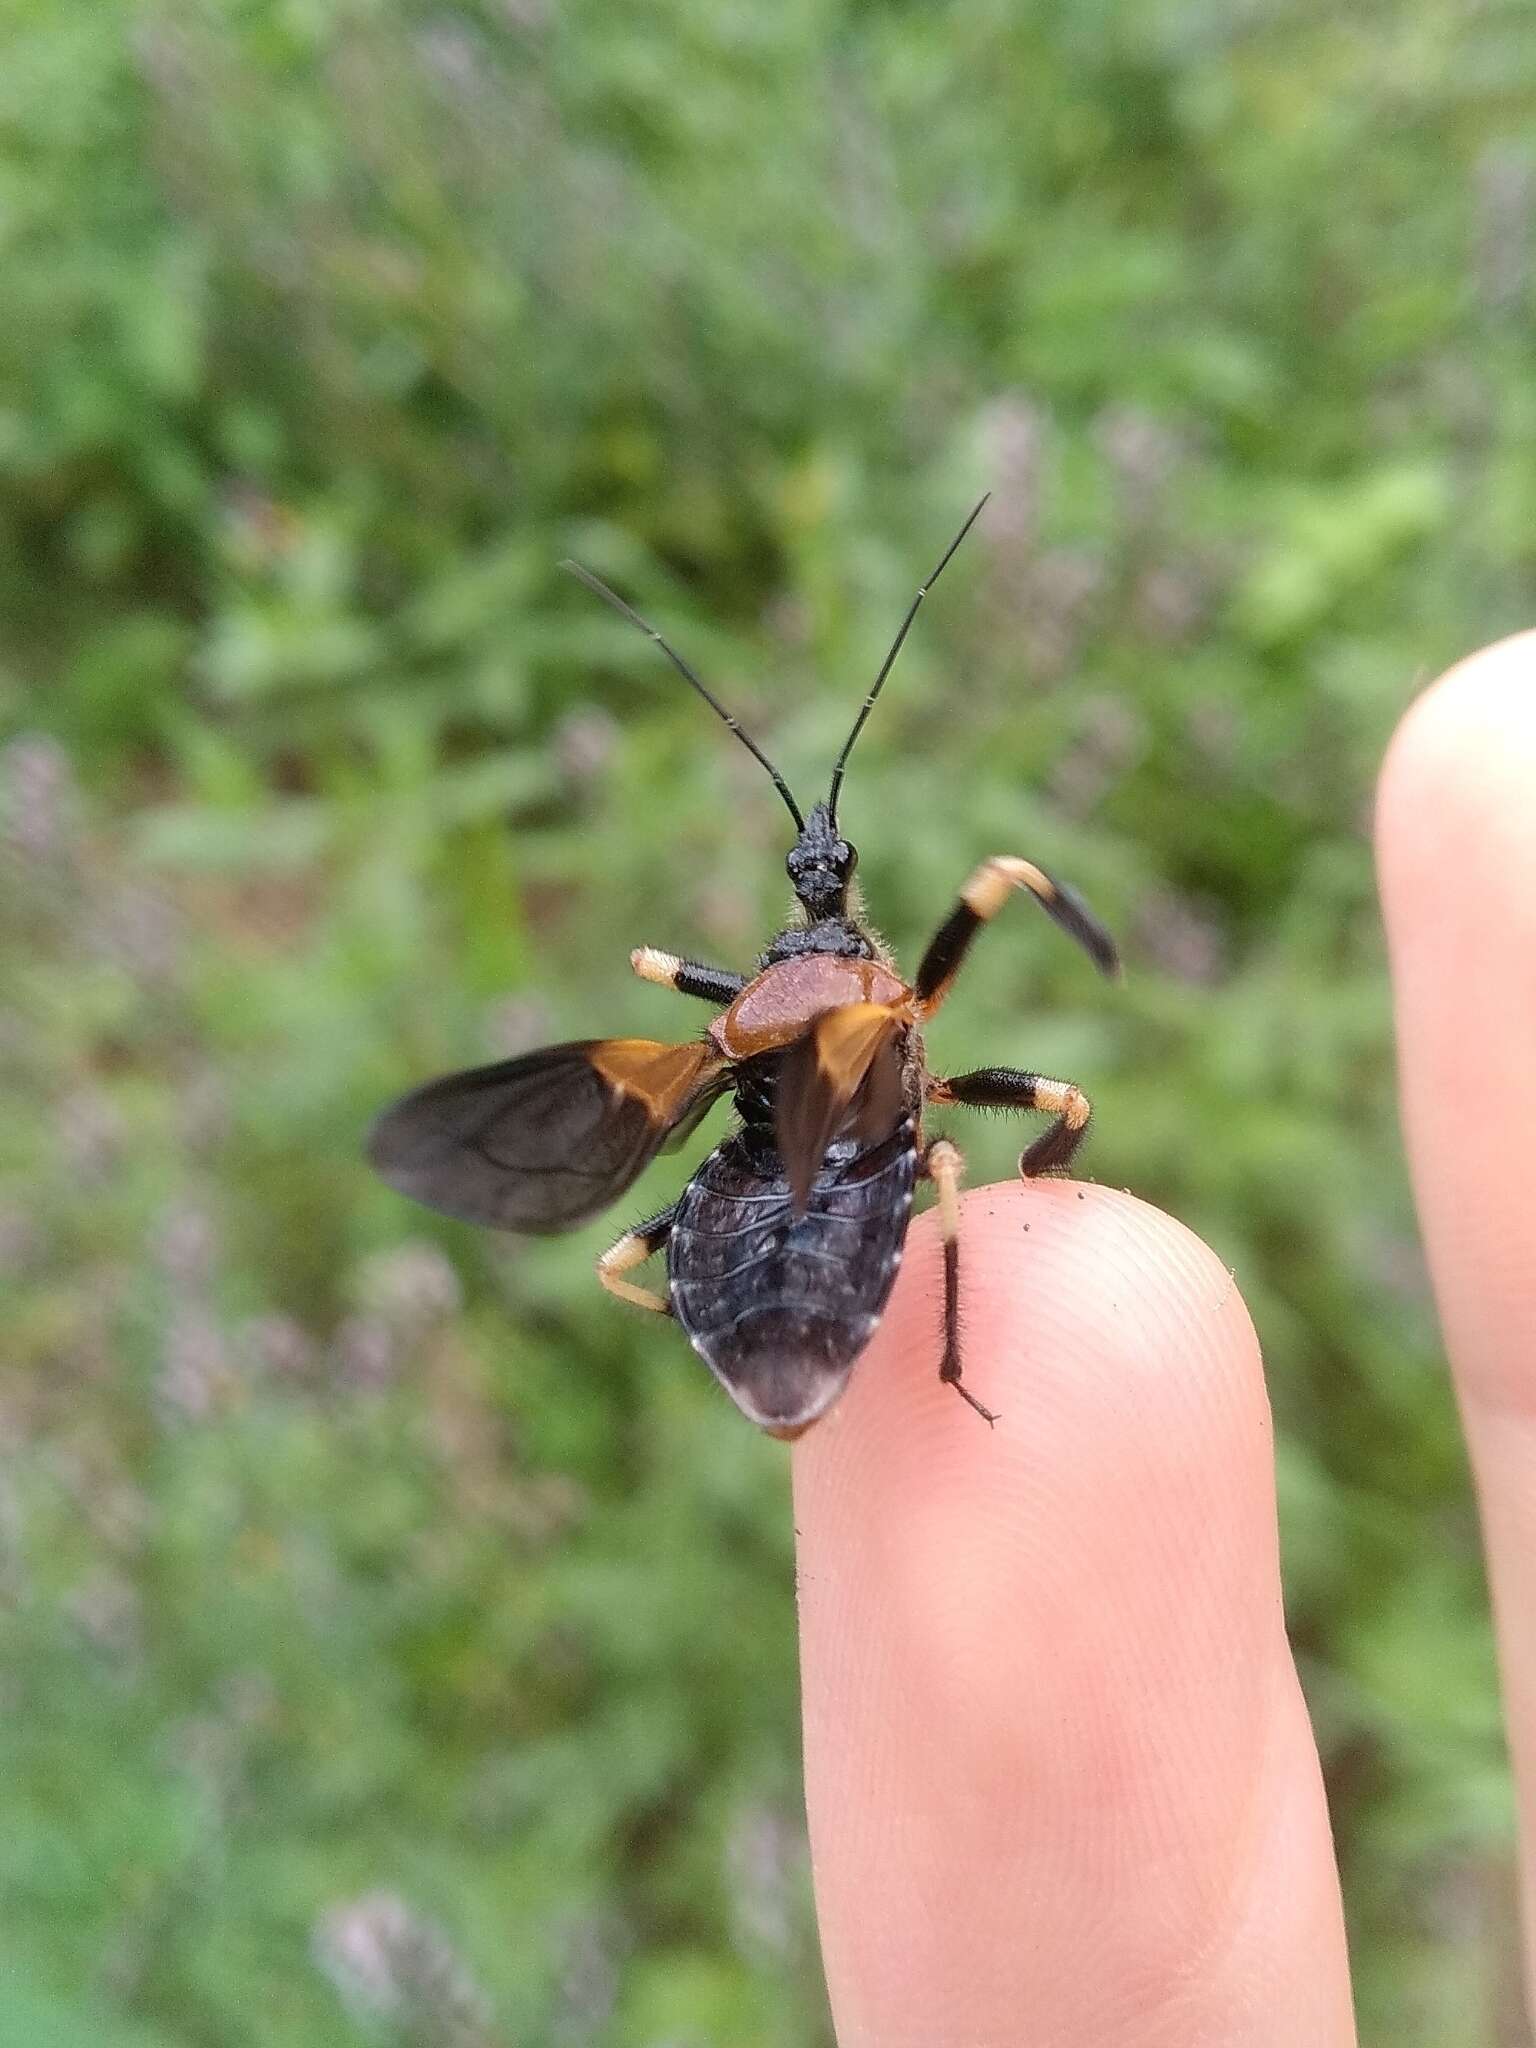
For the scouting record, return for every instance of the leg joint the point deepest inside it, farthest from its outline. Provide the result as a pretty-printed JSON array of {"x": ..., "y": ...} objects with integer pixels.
[
  {"x": 631, "y": 1250},
  {"x": 990, "y": 885}
]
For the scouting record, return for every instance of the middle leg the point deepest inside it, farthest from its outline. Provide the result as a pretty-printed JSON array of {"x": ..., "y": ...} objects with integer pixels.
[{"x": 1008, "y": 1088}]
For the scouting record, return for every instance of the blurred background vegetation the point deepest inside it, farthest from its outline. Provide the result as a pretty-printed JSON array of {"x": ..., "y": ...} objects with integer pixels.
[{"x": 398, "y": 1636}]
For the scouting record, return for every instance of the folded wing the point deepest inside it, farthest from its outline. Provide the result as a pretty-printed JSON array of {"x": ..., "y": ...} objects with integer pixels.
[{"x": 844, "y": 1076}]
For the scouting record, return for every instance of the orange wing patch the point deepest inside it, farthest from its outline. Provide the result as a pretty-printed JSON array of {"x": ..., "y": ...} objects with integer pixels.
[
  {"x": 665, "y": 1080},
  {"x": 849, "y": 1060}
]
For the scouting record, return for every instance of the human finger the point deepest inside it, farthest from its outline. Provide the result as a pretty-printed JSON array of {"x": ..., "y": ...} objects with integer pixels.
[
  {"x": 1456, "y": 853},
  {"x": 1061, "y": 1784}
]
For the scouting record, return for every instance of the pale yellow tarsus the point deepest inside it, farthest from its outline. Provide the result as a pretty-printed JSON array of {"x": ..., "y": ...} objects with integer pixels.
[{"x": 630, "y": 1251}]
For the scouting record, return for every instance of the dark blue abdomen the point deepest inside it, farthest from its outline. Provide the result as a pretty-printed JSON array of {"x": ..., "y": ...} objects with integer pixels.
[{"x": 780, "y": 1306}]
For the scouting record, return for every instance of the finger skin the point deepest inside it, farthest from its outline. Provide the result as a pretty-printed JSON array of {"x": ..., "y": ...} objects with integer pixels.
[
  {"x": 1456, "y": 854},
  {"x": 1061, "y": 1784}
]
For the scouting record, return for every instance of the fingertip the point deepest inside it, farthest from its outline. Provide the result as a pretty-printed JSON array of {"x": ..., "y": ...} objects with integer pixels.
[
  {"x": 1456, "y": 855},
  {"x": 1123, "y": 1367},
  {"x": 1079, "y": 1305},
  {"x": 1458, "y": 765}
]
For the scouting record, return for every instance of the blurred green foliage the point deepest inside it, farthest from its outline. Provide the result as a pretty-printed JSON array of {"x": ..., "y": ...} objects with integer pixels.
[{"x": 372, "y": 1588}]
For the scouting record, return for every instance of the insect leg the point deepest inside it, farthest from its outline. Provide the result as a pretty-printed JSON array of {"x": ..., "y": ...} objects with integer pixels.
[
  {"x": 1008, "y": 1088},
  {"x": 981, "y": 899},
  {"x": 633, "y": 1249},
  {"x": 714, "y": 984},
  {"x": 943, "y": 1166}
]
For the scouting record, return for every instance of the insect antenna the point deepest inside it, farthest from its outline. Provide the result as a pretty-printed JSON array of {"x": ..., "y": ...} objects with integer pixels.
[
  {"x": 612, "y": 597},
  {"x": 890, "y": 660}
]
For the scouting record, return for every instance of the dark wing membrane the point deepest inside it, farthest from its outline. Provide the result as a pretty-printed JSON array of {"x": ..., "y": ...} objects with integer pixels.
[
  {"x": 541, "y": 1143},
  {"x": 848, "y": 1059}
]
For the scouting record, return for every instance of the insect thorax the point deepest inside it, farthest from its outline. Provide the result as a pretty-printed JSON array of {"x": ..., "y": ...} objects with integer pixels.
[
  {"x": 838, "y": 935},
  {"x": 782, "y": 1001}
]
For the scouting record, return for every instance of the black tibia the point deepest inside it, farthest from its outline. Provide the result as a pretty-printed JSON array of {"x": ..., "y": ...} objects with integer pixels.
[
  {"x": 1009, "y": 1088},
  {"x": 946, "y": 949},
  {"x": 714, "y": 984},
  {"x": 688, "y": 977},
  {"x": 942, "y": 1164},
  {"x": 949, "y": 1369},
  {"x": 633, "y": 1249},
  {"x": 654, "y": 1231}
]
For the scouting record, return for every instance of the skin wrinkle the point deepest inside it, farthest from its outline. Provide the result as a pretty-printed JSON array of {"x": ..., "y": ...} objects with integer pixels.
[{"x": 1047, "y": 1691}]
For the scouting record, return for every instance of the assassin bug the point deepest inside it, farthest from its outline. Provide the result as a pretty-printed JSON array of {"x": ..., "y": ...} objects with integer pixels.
[{"x": 783, "y": 1247}]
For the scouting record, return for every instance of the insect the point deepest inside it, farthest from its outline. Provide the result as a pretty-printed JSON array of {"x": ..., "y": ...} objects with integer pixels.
[{"x": 782, "y": 1249}]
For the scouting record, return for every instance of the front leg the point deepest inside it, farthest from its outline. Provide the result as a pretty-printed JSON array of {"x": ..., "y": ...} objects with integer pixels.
[
  {"x": 1008, "y": 1088},
  {"x": 714, "y": 984},
  {"x": 633, "y": 1249},
  {"x": 943, "y": 1166},
  {"x": 981, "y": 899}
]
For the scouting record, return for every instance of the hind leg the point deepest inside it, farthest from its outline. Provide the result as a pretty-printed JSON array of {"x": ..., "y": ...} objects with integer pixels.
[
  {"x": 633, "y": 1249},
  {"x": 943, "y": 1166}
]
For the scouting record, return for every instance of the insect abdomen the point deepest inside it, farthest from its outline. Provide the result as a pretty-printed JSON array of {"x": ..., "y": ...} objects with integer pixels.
[{"x": 780, "y": 1306}]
